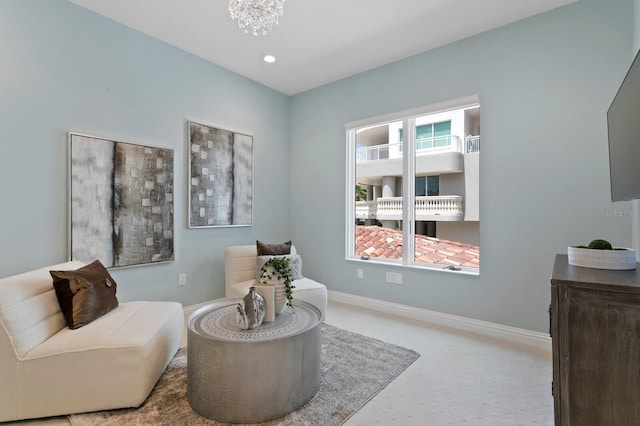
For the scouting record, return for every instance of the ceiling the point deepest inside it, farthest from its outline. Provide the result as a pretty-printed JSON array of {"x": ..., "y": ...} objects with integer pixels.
[{"x": 317, "y": 41}]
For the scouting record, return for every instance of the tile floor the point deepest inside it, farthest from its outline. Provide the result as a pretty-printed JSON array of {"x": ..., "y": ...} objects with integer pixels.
[{"x": 459, "y": 379}]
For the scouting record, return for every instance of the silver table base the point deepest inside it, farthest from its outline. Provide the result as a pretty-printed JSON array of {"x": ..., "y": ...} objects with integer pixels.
[{"x": 252, "y": 376}]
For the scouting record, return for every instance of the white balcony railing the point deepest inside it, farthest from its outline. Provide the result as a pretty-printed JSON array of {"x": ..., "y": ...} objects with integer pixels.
[
  {"x": 424, "y": 146},
  {"x": 438, "y": 143},
  {"x": 366, "y": 209},
  {"x": 446, "y": 207},
  {"x": 472, "y": 144},
  {"x": 376, "y": 152},
  {"x": 389, "y": 208}
]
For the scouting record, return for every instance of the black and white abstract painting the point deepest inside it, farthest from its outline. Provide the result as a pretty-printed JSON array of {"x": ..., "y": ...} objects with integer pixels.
[
  {"x": 220, "y": 177},
  {"x": 121, "y": 209}
]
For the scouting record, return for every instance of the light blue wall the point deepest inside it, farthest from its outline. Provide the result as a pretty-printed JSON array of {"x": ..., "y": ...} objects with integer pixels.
[
  {"x": 636, "y": 26},
  {"x": 545, "y": 85},
  {"x": 63, "y": 68}
]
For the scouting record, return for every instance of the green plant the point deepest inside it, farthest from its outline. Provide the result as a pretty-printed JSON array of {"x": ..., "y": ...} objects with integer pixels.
[
  {"x": 282, "y": 271},
  {"x": 600, "y": 245},
  {"x": 361, "y": 193}
]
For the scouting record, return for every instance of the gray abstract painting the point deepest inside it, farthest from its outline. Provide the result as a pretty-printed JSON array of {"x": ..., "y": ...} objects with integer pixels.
[
  {"x": 121, "y": 209},
  {"x": 220, "y": 177}
]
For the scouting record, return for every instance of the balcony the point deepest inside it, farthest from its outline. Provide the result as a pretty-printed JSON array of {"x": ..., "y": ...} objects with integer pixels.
[
  {"x": 438, "y": 208},
  {"x": 472, "y": 144},
  {"x": 424, "y": 146}
]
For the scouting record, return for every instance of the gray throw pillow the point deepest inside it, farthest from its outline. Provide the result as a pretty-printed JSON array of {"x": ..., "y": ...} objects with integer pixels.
[{"x": 265, "y": 249}]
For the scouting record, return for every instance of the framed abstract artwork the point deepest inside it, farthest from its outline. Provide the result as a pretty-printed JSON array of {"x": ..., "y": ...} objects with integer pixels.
[
  {"x": 220, "y": 177},
  {"x": 121, "y": 202}
]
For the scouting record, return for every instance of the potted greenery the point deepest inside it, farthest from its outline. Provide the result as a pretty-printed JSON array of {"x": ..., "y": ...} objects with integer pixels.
[
  {"x": 277, "y": 271},
  {"x": 600, "y": 254}
]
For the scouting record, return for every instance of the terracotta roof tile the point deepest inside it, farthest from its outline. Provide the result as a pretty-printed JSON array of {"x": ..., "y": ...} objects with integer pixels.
[{"x": 387, "y": 243}]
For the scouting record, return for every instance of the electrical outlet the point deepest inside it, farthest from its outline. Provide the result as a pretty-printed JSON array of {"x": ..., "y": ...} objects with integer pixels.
[
  {"x": 394, "y": 277},
  {"x": 360, "y": 273},
  {"x": 182, "y": 279}
]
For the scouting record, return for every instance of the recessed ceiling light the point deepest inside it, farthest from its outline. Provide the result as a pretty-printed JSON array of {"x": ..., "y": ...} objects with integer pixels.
[{"x": 269, "y": 59}]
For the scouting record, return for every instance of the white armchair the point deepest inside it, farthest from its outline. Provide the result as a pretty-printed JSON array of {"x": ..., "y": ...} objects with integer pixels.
[
  {"x": 47, "y": 369},
  {"x": 240, "y": 275}
]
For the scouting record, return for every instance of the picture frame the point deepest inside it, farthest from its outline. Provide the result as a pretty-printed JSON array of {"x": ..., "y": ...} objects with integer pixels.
[
  {"x": 121, "y": 202},
  {"x": 220, "y": 178}
]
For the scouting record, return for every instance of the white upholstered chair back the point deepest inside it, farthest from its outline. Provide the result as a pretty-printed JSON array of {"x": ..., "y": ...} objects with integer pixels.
[
  {"x": 29, "y": 315},
  {"x": 29, "y": 309},
  {"x": 239, "y": 265}
]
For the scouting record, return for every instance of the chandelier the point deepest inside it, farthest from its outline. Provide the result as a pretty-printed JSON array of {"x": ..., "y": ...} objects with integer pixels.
[{"x": 256, "y": 16}]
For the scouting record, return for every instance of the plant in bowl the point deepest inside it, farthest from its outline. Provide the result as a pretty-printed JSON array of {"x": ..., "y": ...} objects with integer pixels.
[
  {"x": 600, "y": 254},
  {"x": 278, "y": 268}
]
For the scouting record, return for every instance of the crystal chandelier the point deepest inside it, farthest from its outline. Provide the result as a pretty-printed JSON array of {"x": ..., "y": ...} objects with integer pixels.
[{"x": 256, "y": 16}]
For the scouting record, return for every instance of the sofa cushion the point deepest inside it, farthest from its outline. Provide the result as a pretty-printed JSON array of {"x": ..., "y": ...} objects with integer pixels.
[
  {"x": 85, "y": 294},
  {"x": 264, "y": 249}
]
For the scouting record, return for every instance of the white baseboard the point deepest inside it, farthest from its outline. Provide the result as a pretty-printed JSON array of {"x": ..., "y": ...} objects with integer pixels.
[{"x": 484, "y": 328}]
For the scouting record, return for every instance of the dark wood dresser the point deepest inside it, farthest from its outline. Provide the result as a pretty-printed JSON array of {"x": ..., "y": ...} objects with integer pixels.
[{"x": 595, "y": 330}]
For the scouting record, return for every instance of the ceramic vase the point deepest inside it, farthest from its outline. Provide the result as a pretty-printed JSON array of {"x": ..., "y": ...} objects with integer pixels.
[
  {"x": 269, "y": 278},
  {"x": 280, "y": 298},
  {"x": 280, "y": 294},
  {"x": 251, "y": 310}
]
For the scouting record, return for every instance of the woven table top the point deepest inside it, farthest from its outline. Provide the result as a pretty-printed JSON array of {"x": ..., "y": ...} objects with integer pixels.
[{"x": 218, "y": 321}]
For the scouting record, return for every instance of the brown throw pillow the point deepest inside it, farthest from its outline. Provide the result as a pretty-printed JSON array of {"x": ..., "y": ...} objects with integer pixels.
[
  {"x": 265, "y": 249},
  {"x": 85, "y": 294}
]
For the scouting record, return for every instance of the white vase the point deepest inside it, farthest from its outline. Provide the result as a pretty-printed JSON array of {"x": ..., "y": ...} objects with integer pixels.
[
  {"x": 270, "y": 277},
  {"x": 281, "y": 297}
]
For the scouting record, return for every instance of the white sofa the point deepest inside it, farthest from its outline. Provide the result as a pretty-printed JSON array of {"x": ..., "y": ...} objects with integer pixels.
[
  {"x": 240, "y": 275},
  {"x": 47, "y": 369}
]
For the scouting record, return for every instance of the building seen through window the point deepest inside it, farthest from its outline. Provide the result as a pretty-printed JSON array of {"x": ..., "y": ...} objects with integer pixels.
[{"x": 436, "y": 171}]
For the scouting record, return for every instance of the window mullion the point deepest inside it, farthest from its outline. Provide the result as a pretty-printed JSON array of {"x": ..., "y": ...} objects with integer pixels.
[
  {"x": 350, "y": 193},
  {"x": 408, "y": 190}
]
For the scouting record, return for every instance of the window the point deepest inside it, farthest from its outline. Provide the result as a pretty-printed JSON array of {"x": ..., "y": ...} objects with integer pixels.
[
  {"x": 436, "y": 171},
  {"x": 430, "y": 135}
]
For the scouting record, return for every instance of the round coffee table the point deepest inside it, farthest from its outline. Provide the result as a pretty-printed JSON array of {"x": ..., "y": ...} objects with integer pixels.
[{"x": 252, "y": 376}]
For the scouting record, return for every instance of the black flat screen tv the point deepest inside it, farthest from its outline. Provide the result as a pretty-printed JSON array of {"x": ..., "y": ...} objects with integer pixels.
[{"x": 623, "y": 123}]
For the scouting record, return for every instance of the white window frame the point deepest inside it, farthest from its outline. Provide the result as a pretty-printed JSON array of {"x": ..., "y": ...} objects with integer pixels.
[{"x": 408, "y": 184}]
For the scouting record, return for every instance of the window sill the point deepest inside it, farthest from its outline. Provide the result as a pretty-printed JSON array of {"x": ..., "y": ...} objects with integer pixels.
[{"x": 423, "y": 267}]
